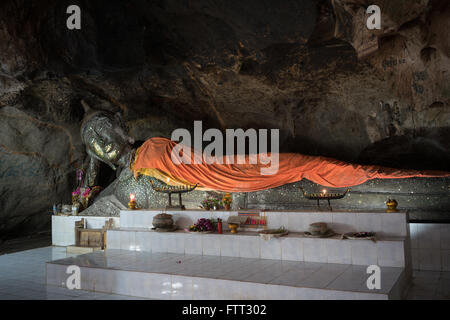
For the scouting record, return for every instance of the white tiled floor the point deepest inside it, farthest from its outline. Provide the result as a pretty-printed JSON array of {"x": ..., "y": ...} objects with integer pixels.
[
  {"x": 22, "y": 276},
  {"x": 272, "y": 272}
]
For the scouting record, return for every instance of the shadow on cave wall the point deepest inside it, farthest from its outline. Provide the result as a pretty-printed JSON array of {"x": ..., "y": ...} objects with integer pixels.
[{"x": 421, "y": 149}]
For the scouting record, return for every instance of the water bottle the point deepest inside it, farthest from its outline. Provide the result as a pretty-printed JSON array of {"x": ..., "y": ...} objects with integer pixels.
[
  {"x": 219, "y": 226},
  {"x": 55, "y": 209}
]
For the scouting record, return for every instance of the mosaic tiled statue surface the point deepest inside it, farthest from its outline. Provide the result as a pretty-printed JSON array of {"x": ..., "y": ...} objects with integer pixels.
[{"x": 106, "y": 141}]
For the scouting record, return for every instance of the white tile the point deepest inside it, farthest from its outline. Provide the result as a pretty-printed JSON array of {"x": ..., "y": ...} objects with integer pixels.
[
  {"x": 68, "y": 239},
  {"x": 127, "y": 240},
  {"x": 211, "y": 244},
  {"x": 159, "y": 286},
  {"x": 445, "y": 236},
  {"x": 322, "y": 277},
  {"x": 210, "y": 289},
  {"x": 414, "y": 235},
  {"x": 193, "y": 244},
  {"x": 292, "y": 249},
  {"x": 136, "y": 220},
  {"x": 252, "y": 291},
  {"x": 57, "y": 238},
  {"x": 391, "y": 254},
  {"x": 340, "y": 295},
  {"x": 102, "y": 281},
  {"x": 339, "y": 251},
  {"x": 270, "y": 249},
  {"x": 175, "y": 242},
  {"x": 159, "y": 241},
  {"x": 308, "y": 294},
  {"x": 315, "y": 250},
  {"x": 143, "y": 241},
  {"x": 249, "y": 247},
  {"x": 319, "y": 217},
  {"x": 343, "y": 222},
  {"x": 364, "y": 252},
  {"x": 229, "y": 246},
  {"x": 55, "y": 273},
  {"x": 298, "y": 221},
  {"x": 276, "y": 220},
  {"x": 429, "y": 236},
  {"x": 124, "y": 219},
  {"x": 113, "y": 239},
  {"x": 430, "y": 259},
  {"x": 393, "y": 224},
  {"x": 445, "y": 258},
  {"x": 415, "y": 258},
  {"x": 181, "y": 288},
  {"x": 277, "y": 292},
  {"x": 133, "y": 220},
  {"x": 368, "y": 222}
]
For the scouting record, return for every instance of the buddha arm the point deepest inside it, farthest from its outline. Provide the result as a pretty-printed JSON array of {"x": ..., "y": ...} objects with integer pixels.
[{"x": 92, "y": 168}]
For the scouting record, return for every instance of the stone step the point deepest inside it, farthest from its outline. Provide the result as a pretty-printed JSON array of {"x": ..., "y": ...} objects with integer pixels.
[
  {"x": 389, "y": 252},
  {"x": 384, "y": 224},
  {"x": 180, "y": 276}
]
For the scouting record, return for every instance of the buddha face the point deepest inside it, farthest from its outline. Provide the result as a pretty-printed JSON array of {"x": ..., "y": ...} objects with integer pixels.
[{"x": 105, "y": 139}]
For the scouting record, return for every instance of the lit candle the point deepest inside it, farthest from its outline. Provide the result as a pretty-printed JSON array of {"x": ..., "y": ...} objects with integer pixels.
[{"x": 132, "y": 203}]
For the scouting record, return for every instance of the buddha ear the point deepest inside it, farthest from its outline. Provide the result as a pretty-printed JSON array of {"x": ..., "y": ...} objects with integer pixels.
[{"x": 119, "y": 119}]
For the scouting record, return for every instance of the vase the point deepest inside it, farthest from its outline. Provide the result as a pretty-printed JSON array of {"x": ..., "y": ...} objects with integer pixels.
[
  {"x": 163, "y": 221},
  {"x": 233, "y": 227},
  {"x": 391, "y": 205}
]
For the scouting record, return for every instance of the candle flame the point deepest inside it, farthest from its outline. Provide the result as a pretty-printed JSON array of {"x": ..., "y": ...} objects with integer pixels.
[{"x": 132, "y": 197}]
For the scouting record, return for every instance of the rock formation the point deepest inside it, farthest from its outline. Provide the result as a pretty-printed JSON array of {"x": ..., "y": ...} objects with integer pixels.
[{"x": 310, "y": 68}]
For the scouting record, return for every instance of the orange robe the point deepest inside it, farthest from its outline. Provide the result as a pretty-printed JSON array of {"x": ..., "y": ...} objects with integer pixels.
[{"x": 153, "y": 158}]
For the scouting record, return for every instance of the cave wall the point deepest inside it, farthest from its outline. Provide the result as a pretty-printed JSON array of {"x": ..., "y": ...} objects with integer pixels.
[{"x": 308, "y": 67}]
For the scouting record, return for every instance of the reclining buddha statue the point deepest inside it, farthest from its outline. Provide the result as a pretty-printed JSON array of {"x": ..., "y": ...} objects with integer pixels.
[{"x": 106, "y": 141}]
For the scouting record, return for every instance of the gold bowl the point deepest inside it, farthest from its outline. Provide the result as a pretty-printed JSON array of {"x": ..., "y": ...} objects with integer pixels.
[
  {"x": 233, "y": 227},
  {"x": 391, "y": 205}
]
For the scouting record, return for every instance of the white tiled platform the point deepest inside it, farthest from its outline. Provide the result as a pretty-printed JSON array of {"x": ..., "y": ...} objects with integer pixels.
[
  {"x": 23, "y": 277},
  {"x": 179, "y": 276},
  {"x": 384, "y": 224},
  {"x": 430, "y": 246},
  {"x": 390, "y": 250},
  {"x": 181, "y": 265},
  {"x": 386, "y": 252}
]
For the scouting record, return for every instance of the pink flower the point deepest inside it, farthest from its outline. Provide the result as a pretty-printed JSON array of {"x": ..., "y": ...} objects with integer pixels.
[{"x": 86, "y": 192}]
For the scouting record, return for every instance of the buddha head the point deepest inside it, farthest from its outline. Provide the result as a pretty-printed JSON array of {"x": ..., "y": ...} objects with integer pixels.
[{"x": 103, "y": 134}]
